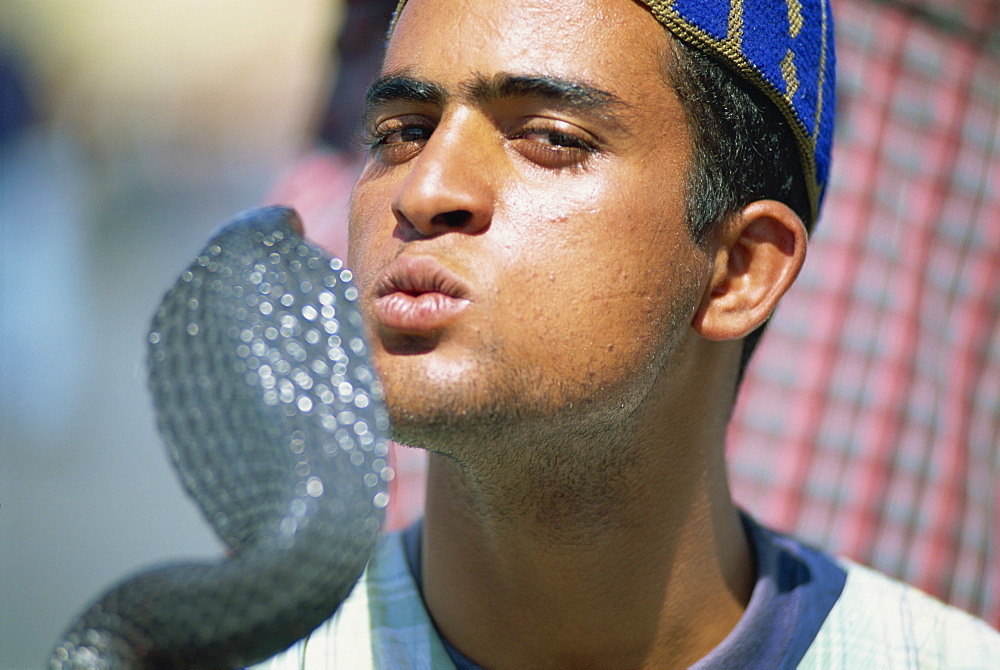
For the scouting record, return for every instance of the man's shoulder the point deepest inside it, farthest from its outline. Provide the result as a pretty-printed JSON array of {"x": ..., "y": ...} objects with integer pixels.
[{"x": 879, "y": 622}]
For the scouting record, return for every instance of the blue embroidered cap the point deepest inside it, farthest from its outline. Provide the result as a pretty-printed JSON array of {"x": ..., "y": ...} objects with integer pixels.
[{"x": 782, "y": 47}]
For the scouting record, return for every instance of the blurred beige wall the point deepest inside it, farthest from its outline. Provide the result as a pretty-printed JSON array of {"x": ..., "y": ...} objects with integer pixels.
[{"x": 182, "y": 82}]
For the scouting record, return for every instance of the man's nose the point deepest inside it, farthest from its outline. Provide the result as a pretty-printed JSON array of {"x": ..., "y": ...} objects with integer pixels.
[{"x": 451, "y": 185}]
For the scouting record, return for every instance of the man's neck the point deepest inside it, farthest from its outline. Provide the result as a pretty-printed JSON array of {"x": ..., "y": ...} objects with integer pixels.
[{"x": 655, "y": 575}]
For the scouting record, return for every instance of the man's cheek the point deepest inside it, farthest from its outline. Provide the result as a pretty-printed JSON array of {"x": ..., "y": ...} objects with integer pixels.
[{"x": 365, "y": 230}]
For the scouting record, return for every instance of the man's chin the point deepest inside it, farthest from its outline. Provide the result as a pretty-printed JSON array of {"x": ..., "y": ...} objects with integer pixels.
[
  {"x": 487, "y": 405},
  {"x": 514, "y": 428},
  {"x": 441, "y": 429}
]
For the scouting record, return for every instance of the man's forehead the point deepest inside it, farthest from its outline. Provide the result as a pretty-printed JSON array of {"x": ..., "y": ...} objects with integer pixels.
[{"x": 529, "y": 36}]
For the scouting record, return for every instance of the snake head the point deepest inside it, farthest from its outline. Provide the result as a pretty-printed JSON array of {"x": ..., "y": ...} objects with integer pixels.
[{"x": 273, "y": 419}]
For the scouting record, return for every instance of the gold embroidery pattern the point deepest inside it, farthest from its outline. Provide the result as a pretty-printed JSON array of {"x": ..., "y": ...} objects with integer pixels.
[
  {"x": 791, "y": 75},
  {"x": 734, "y": 32},
  {"x": 822, "y": 74},
  {"x": 794, "y": 17}
]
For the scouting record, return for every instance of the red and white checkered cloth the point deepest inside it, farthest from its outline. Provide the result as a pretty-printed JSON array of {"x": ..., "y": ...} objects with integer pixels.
[{"x": 869, "y": 421}]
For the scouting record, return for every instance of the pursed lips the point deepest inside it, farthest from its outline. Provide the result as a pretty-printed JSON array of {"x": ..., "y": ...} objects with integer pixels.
[{"x": 417, "y": 294}]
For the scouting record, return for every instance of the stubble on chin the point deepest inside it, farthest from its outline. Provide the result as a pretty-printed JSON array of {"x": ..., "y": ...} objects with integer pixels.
[
  {"x": 503, "y": 413},
  {"x": 505, "y": 417}
]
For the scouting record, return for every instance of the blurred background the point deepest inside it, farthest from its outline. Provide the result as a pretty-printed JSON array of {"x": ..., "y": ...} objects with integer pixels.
[{"x": 128, "y": 132}]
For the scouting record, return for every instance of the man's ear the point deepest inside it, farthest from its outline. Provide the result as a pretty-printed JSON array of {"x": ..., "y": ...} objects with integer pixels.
[{"x": 758, "y": 254}]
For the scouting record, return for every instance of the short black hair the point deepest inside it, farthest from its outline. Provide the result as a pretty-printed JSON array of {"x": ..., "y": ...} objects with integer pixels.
[{"x": 743, "y": 150}]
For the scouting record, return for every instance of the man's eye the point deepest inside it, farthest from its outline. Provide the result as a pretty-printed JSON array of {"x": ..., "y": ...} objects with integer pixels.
[
  {"x": 396, "y": 142},
  {"x": 407, "y": 134},
  {"x": 553, "y": 148},
  {"x": 399, "y": 135},
  {"x": 555, "y": 138}
]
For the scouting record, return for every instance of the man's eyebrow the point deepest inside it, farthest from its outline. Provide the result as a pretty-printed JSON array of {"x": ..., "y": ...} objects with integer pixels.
[
  {"x": 400, "y": 86},
  {"x": 576, "y": 95}
]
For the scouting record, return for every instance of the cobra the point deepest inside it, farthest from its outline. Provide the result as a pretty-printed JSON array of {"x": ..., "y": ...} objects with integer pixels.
[{"x": 273, "y": 420}]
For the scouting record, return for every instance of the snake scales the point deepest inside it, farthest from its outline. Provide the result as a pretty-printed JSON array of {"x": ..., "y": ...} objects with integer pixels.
[{"x": 273, "y": 420}]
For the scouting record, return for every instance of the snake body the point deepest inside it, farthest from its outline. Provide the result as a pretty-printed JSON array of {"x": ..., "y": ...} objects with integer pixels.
[{"x": 273, "y": 420}]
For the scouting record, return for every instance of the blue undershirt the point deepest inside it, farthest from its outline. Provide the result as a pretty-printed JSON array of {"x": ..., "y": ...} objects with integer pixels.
[{"x": 796, "y": 588}]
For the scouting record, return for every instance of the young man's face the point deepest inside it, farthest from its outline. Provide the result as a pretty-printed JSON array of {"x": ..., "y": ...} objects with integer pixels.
[{"x": 518, "y": 232}]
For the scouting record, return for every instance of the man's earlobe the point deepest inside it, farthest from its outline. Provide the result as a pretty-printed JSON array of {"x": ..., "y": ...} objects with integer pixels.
[{"x": 758, "y": 254}]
